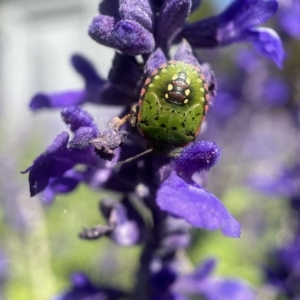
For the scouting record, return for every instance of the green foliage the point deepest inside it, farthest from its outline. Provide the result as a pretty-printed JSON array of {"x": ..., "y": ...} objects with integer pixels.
[{"x": 43, "y": 256}]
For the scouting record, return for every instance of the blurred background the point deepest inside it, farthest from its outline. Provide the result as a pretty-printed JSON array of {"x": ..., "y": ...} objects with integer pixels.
[{"x": 255, "y": 120}]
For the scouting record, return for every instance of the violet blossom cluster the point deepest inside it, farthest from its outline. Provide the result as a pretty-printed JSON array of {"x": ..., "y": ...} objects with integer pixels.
[
  {"x": 275, "y": 96},
  {"x": 165, "y": 186},
  {"x": 282, "y": 268}
]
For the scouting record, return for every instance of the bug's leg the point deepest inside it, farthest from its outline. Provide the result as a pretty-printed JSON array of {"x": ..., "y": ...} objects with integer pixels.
[
  {"x": 134, "y": 115},
  {"x": 116, "y": 122}
]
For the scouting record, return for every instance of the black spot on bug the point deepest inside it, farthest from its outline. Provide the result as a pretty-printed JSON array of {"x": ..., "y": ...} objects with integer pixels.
[
  {"x": 189, "y": 133},
  {"x": 173, "y": 110},
  {"x": 156, "y": 118},
  {"x": 163, "y": 125},
  {"x": 145, "y": 122},
  {"x": 174, "y": 128},
  {"x": 183, "y": 124}
]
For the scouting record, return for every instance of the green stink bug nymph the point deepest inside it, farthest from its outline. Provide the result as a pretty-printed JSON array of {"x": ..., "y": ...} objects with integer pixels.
[{"x": 173, "y": 104}]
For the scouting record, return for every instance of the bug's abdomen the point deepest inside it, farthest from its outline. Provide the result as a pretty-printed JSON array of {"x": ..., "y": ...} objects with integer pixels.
[{"x": 178, "y": 89}]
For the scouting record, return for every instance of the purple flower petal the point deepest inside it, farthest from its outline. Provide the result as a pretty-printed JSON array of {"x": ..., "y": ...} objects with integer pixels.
[
  {"x": 125, "y": 74},
  {"x": 59, "y": 156},
  {"x": 248, "y": 13},
  {"x": 111, "y": 94},
  {"x": 133, "y": 39},
  {"x": 137, "y": 10},
  {"x": 163, "y": 279},
  {"x": 93, "y": 82},
  {"x": 101, "y": 29},
  {"x": 191, "y": 284},
  {"x": 205, "y": 269},
  {"x": 156, "y": 59},
  {"x": 173, "y": 14},
  {"x": 124, "y": 225},
  {"x": 86, "y": 69},
  {"x": 199, "y": 283},
  {"x": 56, "y": 160},
  {"x": 109, "y": 8},
  {"x": 285, "y": 185},
  {"x": 227, "y": 289},
  {"x": 267, "y": 42},
  {"x": 62, "y": 99},
  {"x": 82, "y": 137},
  {"x": 76, "y": 118},
  {"x": 62, "y": 185},
  {"x": 83, "y": 289},
  {"x": 176, "y": 234},
  {"x": 276, "y": 91},
  {"x": 197, "y": 156},
  {"x": 236, "y": 24},
  {"x": 196, "y": 206},
  {"x": 127, "y": 36},
  {"x": 129, "y": 227},
  {"x": 185, "y": 53},
  {"x": 289, "y": 16},
  {"x": 202, "y": 33}
]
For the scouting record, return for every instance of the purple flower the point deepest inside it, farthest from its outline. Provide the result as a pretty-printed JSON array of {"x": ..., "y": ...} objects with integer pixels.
[
  {"x": 140, "y": 27},
  {"x": 237, "y": 24},
  {"x": 200, "y": 155},
  {"x": 62, "y": 184},
  {"x": 202, "y": 283},
  {"x": 117, "y": 90},
  {"x": 182, "y": 197},
  {"x": 162, "y": 195},
  {"x": 134, "y": 30},
  {"x": 168, "y": 283},
  {"x": 83, "y": 289},
  {"x": 289, "y": 14},
  {"x": 124, "y": 225},
  {"x": 196, "y": 206},
  {"x": 128, "y": 29},
  {"x": 94, "y": 86},
  {"x": 63, "y": 154},
  {"x": 56, "y": 160},
  {"x": 286, "y": 184}
]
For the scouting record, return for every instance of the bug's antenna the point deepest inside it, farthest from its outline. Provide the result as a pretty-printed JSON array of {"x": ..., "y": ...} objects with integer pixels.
[{"x": 132, "y": 158}]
